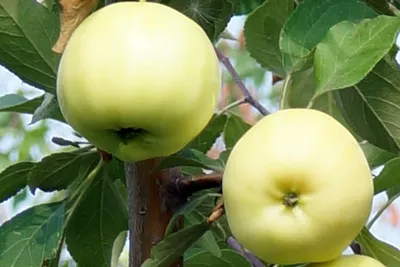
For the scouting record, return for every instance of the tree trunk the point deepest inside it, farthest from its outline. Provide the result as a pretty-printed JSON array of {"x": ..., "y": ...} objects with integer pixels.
[{"x": 149, "y": 208}]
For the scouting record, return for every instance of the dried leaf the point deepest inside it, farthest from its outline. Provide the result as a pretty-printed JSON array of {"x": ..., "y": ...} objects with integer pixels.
[{"x": 73, "y": 12}]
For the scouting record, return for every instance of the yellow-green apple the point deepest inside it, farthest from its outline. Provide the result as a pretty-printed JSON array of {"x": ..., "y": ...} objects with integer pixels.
[
  {"x": 138, "y": 80},
  {"x": 349, "y": 261},
  {"x": 297, "y": 188}
]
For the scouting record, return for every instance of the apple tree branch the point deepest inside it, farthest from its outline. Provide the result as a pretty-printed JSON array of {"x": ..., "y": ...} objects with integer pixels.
[{"x": 247, "y": 96}]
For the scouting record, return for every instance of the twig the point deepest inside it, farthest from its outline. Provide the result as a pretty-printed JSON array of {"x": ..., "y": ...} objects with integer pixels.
[
  {"x": 249, "y": 98},
  {"x": 355, "y": 247},
  {"x": 232, "y": 105},
  {"x": 186, "y": 187}
]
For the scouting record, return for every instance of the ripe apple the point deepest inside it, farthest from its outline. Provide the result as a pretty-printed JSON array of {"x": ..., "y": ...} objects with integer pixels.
[
  {"x": 297, "y": 188},
  {"x": 350, "y": 261},
  {"x": 138, "y": 80}
]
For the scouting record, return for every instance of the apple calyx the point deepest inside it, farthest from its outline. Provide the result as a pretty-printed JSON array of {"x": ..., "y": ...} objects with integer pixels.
[
  {"x": 290, "y": 199},
  {"x": 127, "y": 134}
]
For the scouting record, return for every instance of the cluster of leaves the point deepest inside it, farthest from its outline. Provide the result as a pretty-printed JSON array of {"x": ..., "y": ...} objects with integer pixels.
[
  {"x": 24, "y": 138},
  {"x": 334, "y": 55}
]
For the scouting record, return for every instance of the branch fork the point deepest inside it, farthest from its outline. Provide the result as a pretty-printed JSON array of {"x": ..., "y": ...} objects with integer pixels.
[{"x": 248, "y": 98}]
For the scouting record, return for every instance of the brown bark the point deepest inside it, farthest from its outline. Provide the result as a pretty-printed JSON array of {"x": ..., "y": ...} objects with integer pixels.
[
  {"x": 150, "y": 207},
  {"x": 153, "y": 198}
]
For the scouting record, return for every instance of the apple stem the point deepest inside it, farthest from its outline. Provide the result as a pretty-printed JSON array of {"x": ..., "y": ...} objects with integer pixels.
[
  {"x": 249, "y": 98},
  {"x": 291, "y": 199}
]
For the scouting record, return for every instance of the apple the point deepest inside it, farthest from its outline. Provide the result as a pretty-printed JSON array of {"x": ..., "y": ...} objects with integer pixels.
[
  {"x": 350, "y": 261},
  {"x": 138, "y": 80},
  {"x": 297, "y": 188}
]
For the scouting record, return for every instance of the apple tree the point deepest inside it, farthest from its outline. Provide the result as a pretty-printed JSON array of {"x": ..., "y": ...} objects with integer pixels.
[{"x": 336, "y": 57}]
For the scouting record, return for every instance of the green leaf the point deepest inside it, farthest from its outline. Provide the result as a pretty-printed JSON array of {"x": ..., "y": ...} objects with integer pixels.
[
  {"x": 187, "y": 208},
  {"x": 190, "y": 157},
  {"x": 49, "y": 108},
  {"x": 309, "y": 23},
  {"x": 219, "y": 228},
  {"x": 350, "y": 50},
  {"x": 14, "y": 179},
  {"x": 191, "y": 251},
  {"x": 207, "y": 242},
  {"x": 28, "y": 31},
  {"x": 32, "y": 236},
  {"x": 262, "y": 30},
  {"x": 235, "y": 128},
  {"x": 121, "y": 190},
  {"x": 388, "y": 177},
  {"x": 394, "y": 192},
  {"x": 58, "y": 170},
  {"x": 246, "y": 7},
  {"x": 96, "y": 222},
  {"x": 371, "y": 107},
  {"x": 55, "y": 260},
  {"x": 208, "y": 136},
  {"x": 42, "y": 107},
  {"x": 301, "y": 89},
  {"x": 373, "y": 247},
  {"x": 224, "y": 155},
  {"x": 116, "y": 170},
  {"x": 235, "y": 258},
  {"x": 327, "y": 104},
  {"x": 212, "y": 15},
  {"x": 376, "y": 156},
  {"x": 207, "y": 259},
  {"x": 19, "y": 197},
  {"x": 18, "y": 103},
  {"x": 396, "y": 3},
  {"x": 174, "y": 245}
]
